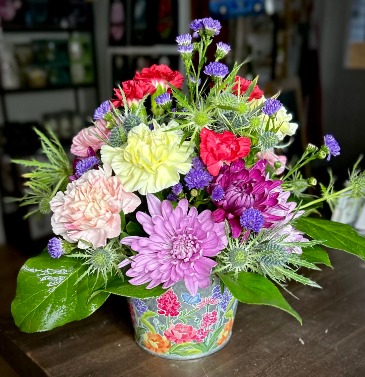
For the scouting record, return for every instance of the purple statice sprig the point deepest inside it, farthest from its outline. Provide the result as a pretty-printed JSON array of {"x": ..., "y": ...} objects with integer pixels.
[
  {"x": 332, "y": 145},
  {"x": 163, "y": 99},
  {"x": 186, "y": 49},
  {"x": 84, "y": 165},
  {"x": 271, "y": 106},
  {"x": 198, "y": 178},
  {"x": 217, "y": 193},
  {"x": 216, "y": 69},
  {"x": 252, "y": 219},
  {"x": 222, "y": 50},
  {"x": 183, "y": 39},
  {"x": 54, "y": 247},
  {"x": 101, "y": 110},
  {"x": 205, "y": 27}
]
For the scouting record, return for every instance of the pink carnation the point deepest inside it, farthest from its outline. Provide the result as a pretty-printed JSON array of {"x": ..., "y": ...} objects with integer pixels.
[
  {"x": 89, "y": 137},
  {"x": 90, "y": 208},
  {"x": 180, "y": 333}
]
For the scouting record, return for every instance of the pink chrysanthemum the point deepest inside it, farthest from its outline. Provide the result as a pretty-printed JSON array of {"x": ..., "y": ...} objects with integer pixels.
[
  {"x": 250, "y": 188},
  {"x": 179, "y": 246}
]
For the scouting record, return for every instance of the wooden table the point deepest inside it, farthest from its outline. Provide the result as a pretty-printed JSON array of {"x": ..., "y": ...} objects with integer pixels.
[{"x": 265, "y": 341}]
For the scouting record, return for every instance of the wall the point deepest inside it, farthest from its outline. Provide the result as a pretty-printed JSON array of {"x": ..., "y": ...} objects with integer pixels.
[{"x": 343, "y": 90}]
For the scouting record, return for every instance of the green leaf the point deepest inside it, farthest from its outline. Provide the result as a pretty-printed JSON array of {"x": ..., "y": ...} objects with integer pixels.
[
  {"x": 187, "y": 349},
  {"x": 335, "y": 235},
  {"x": 251, "y": 288},
  {"x": 144, "y": 319},
  {"x": 48, "y": 296},
  {"x": 124, "y": 288},
  {"x": 122, "y": 220},
  {"x": 316, "y": 255},
  {"x": 133, "y": 229}
]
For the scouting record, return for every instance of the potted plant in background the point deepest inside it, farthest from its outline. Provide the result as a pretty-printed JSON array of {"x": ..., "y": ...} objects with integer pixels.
[{"x": 182, "y": 201}]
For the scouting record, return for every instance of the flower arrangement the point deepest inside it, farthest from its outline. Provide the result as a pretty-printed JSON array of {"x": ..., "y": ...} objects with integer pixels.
[{"x": 179, "y": 179}]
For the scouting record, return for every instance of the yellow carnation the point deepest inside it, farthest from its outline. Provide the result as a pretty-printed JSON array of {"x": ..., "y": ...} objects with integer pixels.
[
  {"x": 282, "y": 120},
  {"x": 151, "y": 160}
]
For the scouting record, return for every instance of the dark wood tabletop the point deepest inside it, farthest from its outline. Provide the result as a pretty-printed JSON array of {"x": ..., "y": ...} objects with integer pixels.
[{"x": 265, "y": 341}]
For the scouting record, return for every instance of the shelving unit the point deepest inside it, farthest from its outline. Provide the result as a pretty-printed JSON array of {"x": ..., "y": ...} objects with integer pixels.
[
  {"x": 150, "y": 52},
  {"x": 67, "y": 98}
]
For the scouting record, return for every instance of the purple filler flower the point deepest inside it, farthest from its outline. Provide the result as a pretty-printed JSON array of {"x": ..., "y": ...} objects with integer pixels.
[
  {"x": 216, "y": 69},
  {"x": 186, "y": 49},
  {"x": 101, "y": 110},
  {"x": 85, "y": 165},
  {"x": 252, "y": 219},
  {"x": 198, "y": 179},
  {"x": 249, "y": 188},
  {"x": 332, "y": 146},
  {"x": 179, "y": 246},
  {"x": 54, "y": 247},
  {"x": 206, "y": 25},
  {"x": 271, "y": 106},
  {"x": 223, "y": 47},
  {"x": 176, "y": 189},
  {"x": 163, "y": 99},
  {"x": 183, "y": 39},
  {"x": 217, "y": 193}
]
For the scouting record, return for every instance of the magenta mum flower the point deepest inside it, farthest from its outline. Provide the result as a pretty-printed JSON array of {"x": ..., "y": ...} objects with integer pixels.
[
  {"x": 179, "y": 246},
  {"x": 249, "y": 188}
]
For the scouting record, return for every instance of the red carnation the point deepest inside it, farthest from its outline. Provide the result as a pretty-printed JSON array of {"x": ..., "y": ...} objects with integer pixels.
[
  {"x": 160, "y": 75},
  {"x": 134, "y": 92},
  {"x": 215, "y": 149},
  {"x": 241, "y": 85}
]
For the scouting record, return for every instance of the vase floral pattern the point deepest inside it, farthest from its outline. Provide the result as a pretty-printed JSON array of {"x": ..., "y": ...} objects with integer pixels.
[{"x": 177, "y": 325}]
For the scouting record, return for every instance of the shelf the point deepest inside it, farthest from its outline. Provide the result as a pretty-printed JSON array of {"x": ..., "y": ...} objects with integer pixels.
[
  {"x": 47, "y": 88},
  {"x": 44, "y": 29},
  {"x": 144, "y": 50}
]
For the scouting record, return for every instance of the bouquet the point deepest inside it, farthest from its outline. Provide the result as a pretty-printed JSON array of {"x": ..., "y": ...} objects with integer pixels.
[{"x": 179, "y": 178}]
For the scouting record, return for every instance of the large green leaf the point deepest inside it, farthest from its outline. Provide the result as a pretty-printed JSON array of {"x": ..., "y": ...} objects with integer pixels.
[
  {"x": 49, "y": 294},
  {"x": 123, "y": 288},
  {"x": 251, "y": 288},
  {"x": 316, "y": 254},
  {"x": 334, "y": 235}
]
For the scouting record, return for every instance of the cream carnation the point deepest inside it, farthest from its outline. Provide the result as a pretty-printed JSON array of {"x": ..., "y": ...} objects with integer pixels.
[
  {"x": 89, "y": 137},
  {"x": 282, "y": 124},
  {"x": 151, "y": 160},
  {"x": 89, "y": 209}
]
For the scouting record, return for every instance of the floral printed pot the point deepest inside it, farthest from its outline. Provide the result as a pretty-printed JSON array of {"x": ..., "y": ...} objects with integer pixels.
[{"x": 177, "y": 325}]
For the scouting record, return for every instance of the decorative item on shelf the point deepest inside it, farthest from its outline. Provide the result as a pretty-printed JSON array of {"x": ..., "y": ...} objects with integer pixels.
[{"x": 170, "y": 190}]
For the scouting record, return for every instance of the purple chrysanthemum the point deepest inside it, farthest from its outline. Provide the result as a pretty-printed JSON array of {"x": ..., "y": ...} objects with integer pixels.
[
  {"x": 85, "y": 164},
  {"x": 183, "y": 39},
  {"x": 271, "y": 106},
  {"x": 223, "y": 48},
  {"x": 101, "y": 110},
  {"x": 163, "y": 99},
  {"x": 54, "y": 247},
  {"x": 198, "y": 178},
  {"x": 249, "y": 188},
  {"x": 217, "y": 193},
  {"x": 188, "y": 49},
  {"x": 216, "y": 69},
  {"x": 176, "y": 189},
  {"x": 332, "y": 146},
  {"x": 206, "y": 25},
  {"x": 179, "y": 246},
  {"x": 252, "y": 219}
]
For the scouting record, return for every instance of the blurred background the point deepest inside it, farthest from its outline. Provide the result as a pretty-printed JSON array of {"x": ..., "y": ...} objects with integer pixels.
[{"x": 60, "y": 59}]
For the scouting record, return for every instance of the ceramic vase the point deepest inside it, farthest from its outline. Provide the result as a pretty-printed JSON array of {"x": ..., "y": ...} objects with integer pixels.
[{"x": 177, "y": 325}]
